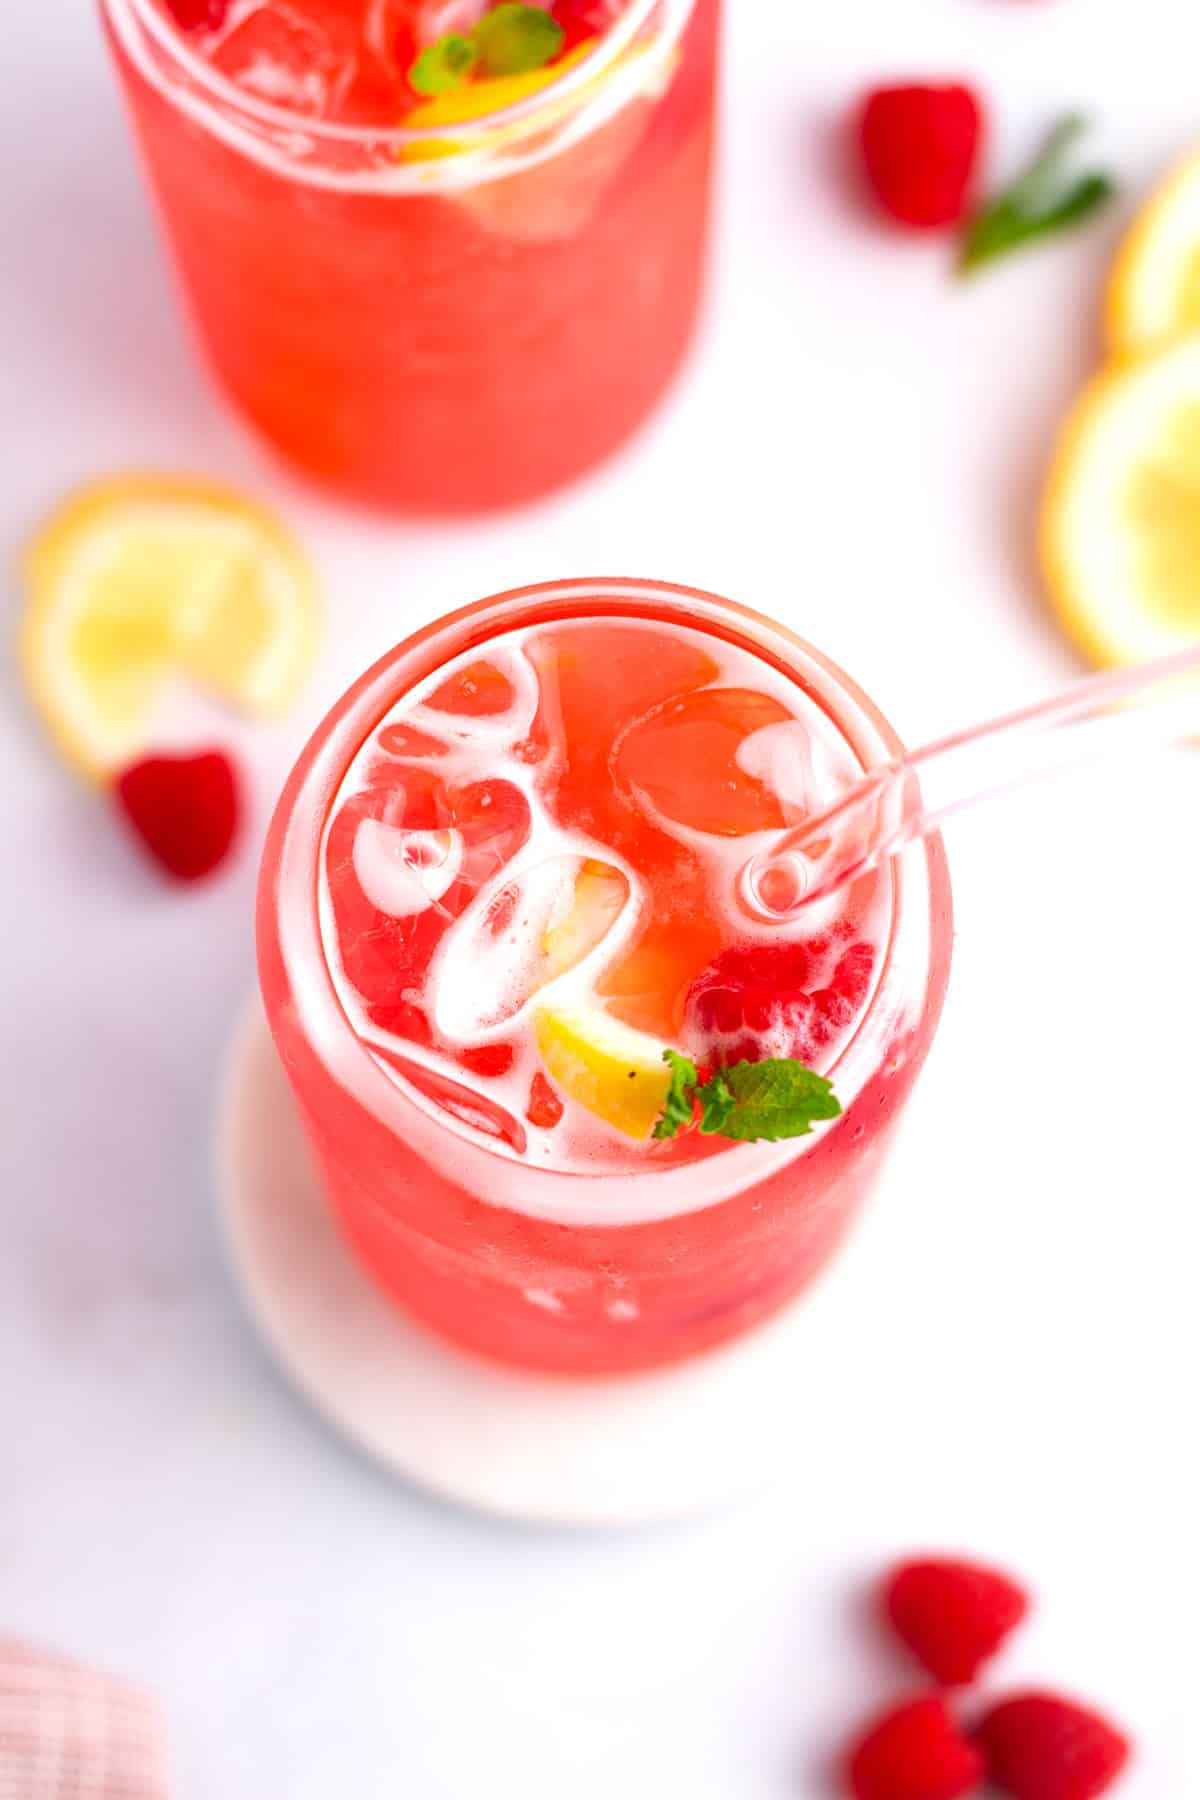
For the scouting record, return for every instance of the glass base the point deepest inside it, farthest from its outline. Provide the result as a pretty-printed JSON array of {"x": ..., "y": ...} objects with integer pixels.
[{"x": 607, "y": 1452}]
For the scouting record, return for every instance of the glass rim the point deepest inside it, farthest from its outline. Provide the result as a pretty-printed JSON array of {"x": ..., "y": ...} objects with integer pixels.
[
  {"x": 222, "y": 92},
  {"x": 297, "y": 835}
]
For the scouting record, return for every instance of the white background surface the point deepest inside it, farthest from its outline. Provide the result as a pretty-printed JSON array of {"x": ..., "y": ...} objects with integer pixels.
[{"x": 856, "y": 449}]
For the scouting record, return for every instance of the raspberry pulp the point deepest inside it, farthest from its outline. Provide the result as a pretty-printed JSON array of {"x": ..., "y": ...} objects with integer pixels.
[{"x": 777, "y": 1000}]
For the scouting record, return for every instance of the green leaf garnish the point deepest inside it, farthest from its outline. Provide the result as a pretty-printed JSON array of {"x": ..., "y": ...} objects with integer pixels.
[
  {"x": 748, "y": 1101},
  {"x": 680, "y": 1103},
  {"x": 776, "y": 1099},
  {"x": 445, "y": 65},
  {"x": 1037, "y": 205},
  {"x": 717, "y": 1105},
  {"x": 508, "y": 40},
  {"x": 513, "y": 38}
]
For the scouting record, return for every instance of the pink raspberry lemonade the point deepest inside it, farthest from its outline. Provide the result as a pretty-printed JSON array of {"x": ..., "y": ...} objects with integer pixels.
[
  {"x": 444, "y": 254},
  {"x": 575, "y": 1106}
]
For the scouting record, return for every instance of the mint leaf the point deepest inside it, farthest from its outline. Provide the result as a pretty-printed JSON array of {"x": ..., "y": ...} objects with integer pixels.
[
  {"x": 445, "y": 65},
  {"x": 1039, "y": 204},
  {"x": 748, "y": 1101},
  {"x": 680, "y": 1103},
  {"x": 512, "y": 38},
  {"x": 717, "y": 1105},
  {"x": 776, "y": 1099}
]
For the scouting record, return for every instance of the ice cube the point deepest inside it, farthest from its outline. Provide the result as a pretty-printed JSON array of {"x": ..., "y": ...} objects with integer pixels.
[
  {"x": 479, "y": 691},
  {"x": 685, "y": 760},
  {"x": 293, "y": 61},
  {"x": 527, "y": 929},
  {"x": 406, "y": 740},
  {"x": 794, "y": 765},
  {"x": 405, "y": 872},
  {"x": 477, "y": 1110},
  {"x": 395, "y": 30},
  {"x": 432, "y": 19}
]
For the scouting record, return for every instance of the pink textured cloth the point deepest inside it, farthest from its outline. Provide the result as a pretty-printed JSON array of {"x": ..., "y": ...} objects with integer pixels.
[{"x": 68, "y": 1733}]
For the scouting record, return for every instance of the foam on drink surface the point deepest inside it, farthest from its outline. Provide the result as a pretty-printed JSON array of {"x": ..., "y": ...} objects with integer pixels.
[{"x": 521, "y": 827}]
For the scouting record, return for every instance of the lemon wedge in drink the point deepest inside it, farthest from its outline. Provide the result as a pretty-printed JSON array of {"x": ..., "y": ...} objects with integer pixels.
[
  {"x": 145, "y": 577},
  {"x": 1154, "y": 290},
  {"x": 608, "y": 1067},
  {"x": 611, "y": 1068},
  {"x": 1120, "y": 529}
]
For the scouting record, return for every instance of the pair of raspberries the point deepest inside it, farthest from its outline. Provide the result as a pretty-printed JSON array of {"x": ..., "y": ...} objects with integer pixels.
[{"x": 953, "y": 1617}]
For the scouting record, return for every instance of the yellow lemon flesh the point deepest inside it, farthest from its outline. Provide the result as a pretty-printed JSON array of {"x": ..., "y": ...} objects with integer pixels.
[
  {"x": 138, "y": 579},
  {"x": 597, "y": 901},
  {"x": 609, "y": 1068},
  {"x": 1154, "y": 289},
  {"x": 1120, "y": 531}
]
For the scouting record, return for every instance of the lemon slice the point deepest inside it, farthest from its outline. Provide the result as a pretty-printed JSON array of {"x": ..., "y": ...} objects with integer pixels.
[
  {"x": 137, "y": 579},
  {"x": 1120, "y": 531},
  {"x": 609, "y": 1068},
  {"x": 1154, "y": 289}
]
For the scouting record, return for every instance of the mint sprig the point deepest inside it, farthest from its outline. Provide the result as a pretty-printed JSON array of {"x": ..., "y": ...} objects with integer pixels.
[
  {"x": 748, "y": 1101},
  {"x": 680, "y": 1104},
  {"x": 776, "y": 1099},
  {"x": 1039, "y": 204},
  {"x": 445, "y": 65},
  {"x": 511, "y": 39}
]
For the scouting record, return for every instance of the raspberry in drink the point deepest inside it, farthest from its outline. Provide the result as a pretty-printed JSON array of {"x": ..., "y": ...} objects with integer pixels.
[
  {"x": 438, "y": 279},
  {"x": 502, "y": 884}
]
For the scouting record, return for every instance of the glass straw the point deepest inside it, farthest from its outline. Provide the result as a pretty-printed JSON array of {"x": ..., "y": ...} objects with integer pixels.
[{"x": 1148, "y": 704}]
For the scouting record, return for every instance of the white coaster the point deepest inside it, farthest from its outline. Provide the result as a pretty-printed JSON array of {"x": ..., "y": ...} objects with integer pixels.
[{"x": 604, "y": 1452}]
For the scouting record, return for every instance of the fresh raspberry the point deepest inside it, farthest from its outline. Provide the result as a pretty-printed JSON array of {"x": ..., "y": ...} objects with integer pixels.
[
  {"x": 198, "y": 15},
  {"x": 1041, "y": 1747},
  {"x": 920, "y": 146},
  {"x": 762, "y": 1000},
  {"x": 914, "y": 1752},
  {"x": 952, "y": 1615},
  {"x": 184, "y": 808}
]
